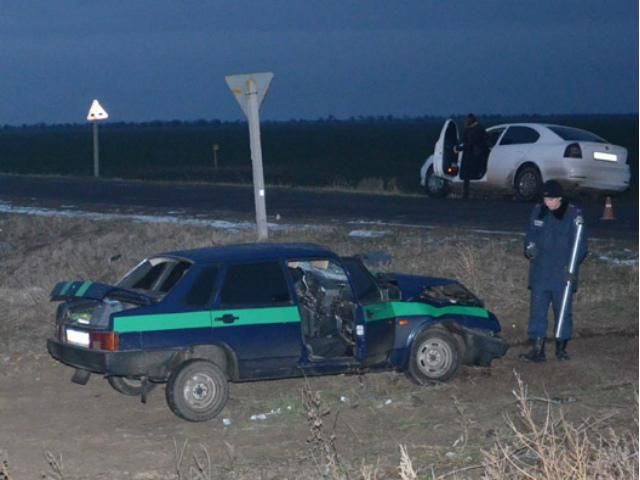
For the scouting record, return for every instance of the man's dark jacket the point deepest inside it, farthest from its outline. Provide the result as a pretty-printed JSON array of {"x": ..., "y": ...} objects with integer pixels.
[
  {"x": 475, "y": 152},
  {"x": 553, "y": 233}
]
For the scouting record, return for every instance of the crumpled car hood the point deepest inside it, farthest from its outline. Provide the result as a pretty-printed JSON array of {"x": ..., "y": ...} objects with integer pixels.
[
  {"x": 434, "y": 290},
  {"x": 412, "y": 285}
]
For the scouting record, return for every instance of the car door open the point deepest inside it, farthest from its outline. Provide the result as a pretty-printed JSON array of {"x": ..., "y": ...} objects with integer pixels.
[{"x": 446, "y": 162}]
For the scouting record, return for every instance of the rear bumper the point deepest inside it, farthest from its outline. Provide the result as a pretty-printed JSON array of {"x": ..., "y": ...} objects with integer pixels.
[
  {"x": 601, "y": 177},
  {"x": 603, "y": 186},
  {"x": 136, "y": 363}
]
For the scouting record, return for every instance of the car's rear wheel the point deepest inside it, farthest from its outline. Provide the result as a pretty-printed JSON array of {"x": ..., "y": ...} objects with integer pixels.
[
  {"x": 435, "y": 187},
  {"x": 528, "y": 183},
  {"x": 197, "y": 391},
  {"x": 129, "y": 386},
  {"x": 435, "y": 356}
]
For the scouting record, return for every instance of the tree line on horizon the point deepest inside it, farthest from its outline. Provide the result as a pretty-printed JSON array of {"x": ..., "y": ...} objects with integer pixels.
[
  {"x": 494, "y": 117},
  {"x": 386, "y": 151}
]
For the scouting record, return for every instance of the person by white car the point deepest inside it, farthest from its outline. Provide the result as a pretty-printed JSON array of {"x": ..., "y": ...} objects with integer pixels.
[{"x": 524, "y": 155}]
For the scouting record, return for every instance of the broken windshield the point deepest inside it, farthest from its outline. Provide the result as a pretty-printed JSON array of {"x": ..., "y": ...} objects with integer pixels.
[{"x": 155, "y": 275}]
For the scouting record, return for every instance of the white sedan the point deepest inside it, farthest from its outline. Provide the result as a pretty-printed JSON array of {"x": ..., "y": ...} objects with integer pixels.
[{"x": 525, "y": 155}]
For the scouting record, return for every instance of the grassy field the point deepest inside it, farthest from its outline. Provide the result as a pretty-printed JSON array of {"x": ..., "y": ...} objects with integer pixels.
[{"x": 384, "y": 152}]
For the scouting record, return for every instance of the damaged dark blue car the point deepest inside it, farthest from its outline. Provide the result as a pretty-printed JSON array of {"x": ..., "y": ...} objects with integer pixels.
[{"x": 199, "y": 319}]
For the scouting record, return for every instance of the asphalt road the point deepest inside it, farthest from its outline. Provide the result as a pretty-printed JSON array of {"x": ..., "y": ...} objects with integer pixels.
[{"x": 495, "y": 214}]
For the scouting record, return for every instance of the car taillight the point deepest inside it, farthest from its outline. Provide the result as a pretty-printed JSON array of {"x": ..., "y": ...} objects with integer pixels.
[
  {"x": 573, "y": 150},
  {"x": 104, "y": 341}
]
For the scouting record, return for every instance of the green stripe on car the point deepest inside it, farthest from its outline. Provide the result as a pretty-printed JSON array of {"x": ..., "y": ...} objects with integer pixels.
[
  {"x": 408, "y": 309},
  {"x": 257, "y": 316},
  {"x": 64, "y": 288},
  {"x": 205, "y": 319},
  {"x": 82, "y": 289}
]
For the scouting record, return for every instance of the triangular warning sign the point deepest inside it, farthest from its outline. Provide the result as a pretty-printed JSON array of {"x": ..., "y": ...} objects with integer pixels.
[
  {"x": 96, "y": 112},
  {"x": 239, "y": 85}
]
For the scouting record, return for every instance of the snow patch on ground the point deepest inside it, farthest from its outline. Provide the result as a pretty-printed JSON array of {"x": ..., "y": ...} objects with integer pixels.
[
  {"x": 6, "y": 207},
  {"x": 623, "y": 258},
  {"x": 369, "y": 233}
]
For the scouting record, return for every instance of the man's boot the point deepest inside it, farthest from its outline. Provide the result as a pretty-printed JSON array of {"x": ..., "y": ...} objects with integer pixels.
[
  {"x": 561, "y": 350},
  {"x": 536, "y": 354}
]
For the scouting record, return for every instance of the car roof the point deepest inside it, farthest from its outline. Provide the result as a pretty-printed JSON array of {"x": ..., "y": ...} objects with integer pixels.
[
  {"x": 521, "y": 124},
  {"x": 546, "y": 130},
  {"x": 536, "y": 125},
  {"x": 252, "y": 251}
]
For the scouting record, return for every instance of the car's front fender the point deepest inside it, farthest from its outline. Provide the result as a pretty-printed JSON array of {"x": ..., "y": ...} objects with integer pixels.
[
  {"x": 406, "y": 332},
  {"x": 477, "y": 347}
]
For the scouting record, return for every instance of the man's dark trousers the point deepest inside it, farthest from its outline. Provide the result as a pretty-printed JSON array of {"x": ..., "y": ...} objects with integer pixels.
[{"x": 539, "y": 308}]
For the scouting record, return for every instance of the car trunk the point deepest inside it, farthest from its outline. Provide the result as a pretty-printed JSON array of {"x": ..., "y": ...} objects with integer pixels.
[{"x": 86, "y": 310}]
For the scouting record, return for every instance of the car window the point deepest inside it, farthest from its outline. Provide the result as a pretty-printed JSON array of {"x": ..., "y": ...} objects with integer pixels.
[
  {"x": 173, "y": 275},
  {"x": 493, "y": 135},
  {"x": 201, "y": 292},
  {"x": 364, "y": 283},
  {"x": 519, "y": 135},
  {"x": 254, "y": 284},
  {"x": 576, "y": 135},
  {"x": 156, "y": 275},
  {"x": 324, "y": 279}
]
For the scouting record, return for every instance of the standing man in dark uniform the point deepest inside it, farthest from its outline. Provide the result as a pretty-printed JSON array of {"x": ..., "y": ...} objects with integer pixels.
[
  {"x": 475, "y": 152},
  {"x": 548, "y": 246}
]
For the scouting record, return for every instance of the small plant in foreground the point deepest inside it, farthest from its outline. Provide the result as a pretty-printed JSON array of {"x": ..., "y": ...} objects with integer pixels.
[
  {"x": 323, "y": 445},
  {"x": 202, "y": 467},
  {"x": 554, "y": 449},
  {"x": 56, "y": 467}
]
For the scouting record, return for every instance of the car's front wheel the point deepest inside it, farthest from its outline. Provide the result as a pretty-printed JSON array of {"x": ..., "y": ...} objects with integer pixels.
[
  {"x": 197, "y": 391},
  {"x": 129, "y": 386},
  {"x": 435, "y": 356},
  {"x": 528, "y": 183},
  {"x": 434, "y": 186}
]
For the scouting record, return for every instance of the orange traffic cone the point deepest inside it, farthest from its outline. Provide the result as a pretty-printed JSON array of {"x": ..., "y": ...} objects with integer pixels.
[{"x": 607, "y": 214}]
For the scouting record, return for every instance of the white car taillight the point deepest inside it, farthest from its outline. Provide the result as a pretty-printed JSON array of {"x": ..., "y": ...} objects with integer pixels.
[{"x": 573, "y": 150}]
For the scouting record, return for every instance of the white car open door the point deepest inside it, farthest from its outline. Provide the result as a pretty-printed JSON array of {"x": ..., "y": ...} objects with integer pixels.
[{"x": 446, "y": 163}]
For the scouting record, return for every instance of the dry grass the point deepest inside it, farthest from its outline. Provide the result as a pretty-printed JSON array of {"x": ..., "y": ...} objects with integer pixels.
[
  {"x": 551, "y": 448},
  {"x": 541, "y": 444},
  {"x": 539, "y": 447}
]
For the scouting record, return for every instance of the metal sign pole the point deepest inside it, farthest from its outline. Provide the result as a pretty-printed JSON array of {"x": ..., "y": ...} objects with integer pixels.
[
  {"x": 256, "y": 160},
  {"x": 215, "y": 147},
  {"x": 249, "y": 90},
  {"x": 572, "y": 270},
  {"x": 96, "y": 113},
  {"x": 96, "y": 153}
]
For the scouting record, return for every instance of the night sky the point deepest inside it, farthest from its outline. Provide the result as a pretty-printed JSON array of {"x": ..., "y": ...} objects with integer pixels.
[{"x": 166, "y": 59}]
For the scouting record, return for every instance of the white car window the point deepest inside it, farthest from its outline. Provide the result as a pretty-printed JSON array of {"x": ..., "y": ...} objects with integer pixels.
[
  {"x": 575, "y": 134},
  {"x": 519, "y": 135},
  {"x": 493, "y": 135}
]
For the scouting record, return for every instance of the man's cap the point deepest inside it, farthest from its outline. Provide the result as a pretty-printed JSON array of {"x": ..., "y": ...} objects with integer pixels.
[{"x": 552, "y": 189}]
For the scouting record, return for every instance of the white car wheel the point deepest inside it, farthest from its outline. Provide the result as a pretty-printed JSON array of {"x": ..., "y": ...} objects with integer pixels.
[
  {"x": 434, "y": 356},
  {"x": 528, "y": 183},
  {"x": 197, "y": 391},
  {"x": 435, "y": 187}
]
